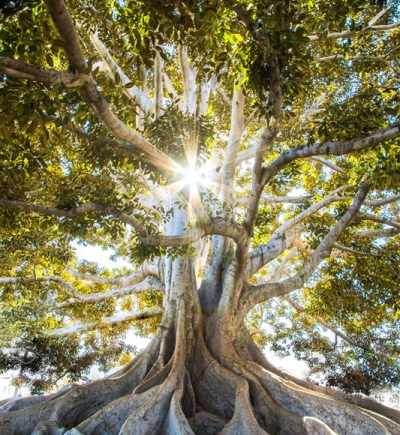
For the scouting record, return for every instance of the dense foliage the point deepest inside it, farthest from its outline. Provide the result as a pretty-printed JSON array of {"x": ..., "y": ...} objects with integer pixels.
[{"x": 55, "y": 152}]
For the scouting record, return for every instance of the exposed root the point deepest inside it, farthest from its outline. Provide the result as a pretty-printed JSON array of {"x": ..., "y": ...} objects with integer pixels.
[
  {"x": 192, "y": 393},
  {"x": 176, "y": 421},
  {"x": 14, "y": 404},
  {"x": 204, "y": 423},
  {"x": 248, "y": 350},
  {"x": 335, "y": 414},
  {"x": 243, "y": 421}
]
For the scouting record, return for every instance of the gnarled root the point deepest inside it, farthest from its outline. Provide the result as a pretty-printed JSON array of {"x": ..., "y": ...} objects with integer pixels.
[{"x": 178, "y": 387}]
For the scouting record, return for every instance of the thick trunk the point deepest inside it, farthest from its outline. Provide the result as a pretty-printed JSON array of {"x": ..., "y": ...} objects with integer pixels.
[{"x": 196, "y": 379}]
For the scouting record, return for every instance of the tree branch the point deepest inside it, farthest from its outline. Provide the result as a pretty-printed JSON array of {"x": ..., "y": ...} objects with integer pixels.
[
  {"x": 80, "y": 327},
  {"x": 267, "y": 252},
  {"x": 235, "y": 134},
  {"x": 276, "y": 199},
  {"x": 256, "y": 294},
  {"x": 373, "y": 218},
  {"x": 112, "y": 68},
  {"x": 347, "y": 33},
  {"x": 326, "y": 325},
  {"x": 145, "y": 270},
  {"x": 353, "y": 251},
  {"x": 149, "y": 284},
  {"x": 392, "y": 232},
  {"x": 21, "y": 70},
  {"x": 328, "y": 164},
  {"x": 91, "y": 95},
  {"x": 158, "y": 84},
  {"x": 381, "y": 202},
  {"x": 333, "y": 148},
  {"x": 357, "y": 59},
  {"x": 76, "y": 211}
]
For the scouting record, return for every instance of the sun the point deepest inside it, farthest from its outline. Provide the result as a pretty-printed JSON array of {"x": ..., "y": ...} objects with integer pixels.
[{"x": 191, "y": 176}]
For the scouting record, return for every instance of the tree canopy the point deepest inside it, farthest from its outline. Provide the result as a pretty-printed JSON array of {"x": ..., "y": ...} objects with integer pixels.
[{"x": 274, "y": 124}]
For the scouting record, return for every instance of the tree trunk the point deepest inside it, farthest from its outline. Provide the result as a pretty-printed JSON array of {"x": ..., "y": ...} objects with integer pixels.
[{"x": 198, "y": 376}]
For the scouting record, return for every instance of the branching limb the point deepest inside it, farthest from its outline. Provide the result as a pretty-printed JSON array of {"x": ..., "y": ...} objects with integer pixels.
[
  {"x": 189, "y": 81},
  {"x": 76, "y": 211},
  {"x": 256, "y": 294},
  {"x": 348, "y": 33},
  {"x": 392, "y": 232},
  {"x": 65, "y": 285},
  {"x": 80, "y": 327},
  {"x": 21, "y": 70},
  {"x": 149, "y": 284},
  {"x": 329, "y": 164},
  {"x": 381, "y": 13},
  {"x": 276, "y": 199},
  {"x": 354, "y": 252},
  {"x": 282, "y": 238},
  {"x": 235, "y": 134},
  {"x": 112, "y": 68},
  {"x": 216, "y": 226},
  {"x": 373, "y": 218},
  {"x": 334, "y": 148},
  {"x": 265, "y": 143},
  {"x": 275, "y": 247},
  {"x": 145, "y": 270},
  {"x": 381, "y": 202},
  {"x": 170, "y": 87},
  {"x": 252, "y": 26},
  {"x": 91, "y": 95},
  {"x": 330, "y": 199}
]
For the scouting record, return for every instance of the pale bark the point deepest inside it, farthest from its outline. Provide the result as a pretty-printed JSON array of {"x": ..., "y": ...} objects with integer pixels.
[
  {"x": 112, "y": 68},
  {"x": 257, "y": 294},
  {"x": 201, "y": 373},
  {"x": 348, "y": 33},
  {"x": 80, "y": 327},
  {"x": 149, "y": 284},
  {"x": 381, "y": 220},
  {"x": 63, "y": 22}
]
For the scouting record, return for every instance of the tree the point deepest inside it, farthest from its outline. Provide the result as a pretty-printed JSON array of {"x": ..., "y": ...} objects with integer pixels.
[{"x": 238, "y": 154}]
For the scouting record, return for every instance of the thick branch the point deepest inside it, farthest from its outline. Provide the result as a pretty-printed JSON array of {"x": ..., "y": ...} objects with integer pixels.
[
  {"x": 276, "y": 199},
  {"x": 236, "y": 130},
  {"x": 381, "y": 202},
  {"x": 347, "y": 33},
  {"x": 267, "y": 252},
  {"x": 21, "y": 70},
  {"x": 145, "y": 270},
  {"x": 373, "y": 218},
  {"x": 149, "y": 284},
  {"x": 333, "y": 148},
  {"x": 112, "y": 68},
  {"x": 256, "y": 294},
  {"x": 392, "y": 232},
  {"x": 80, "y": 327},
  {"x": 283, "y": 237},
  {"x": 100, "y": 106},
  {"x": 76, "y": 211}
]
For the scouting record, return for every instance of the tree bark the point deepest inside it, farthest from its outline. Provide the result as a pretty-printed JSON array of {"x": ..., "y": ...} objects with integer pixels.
[{"x": 196, "y": 377}]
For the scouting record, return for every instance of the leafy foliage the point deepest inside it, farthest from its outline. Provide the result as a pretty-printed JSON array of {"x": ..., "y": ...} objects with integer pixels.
[{"x": 54, "y": 151}]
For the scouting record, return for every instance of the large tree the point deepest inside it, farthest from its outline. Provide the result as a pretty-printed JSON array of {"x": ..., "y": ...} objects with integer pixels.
[{"x": 238, "y": 153}]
